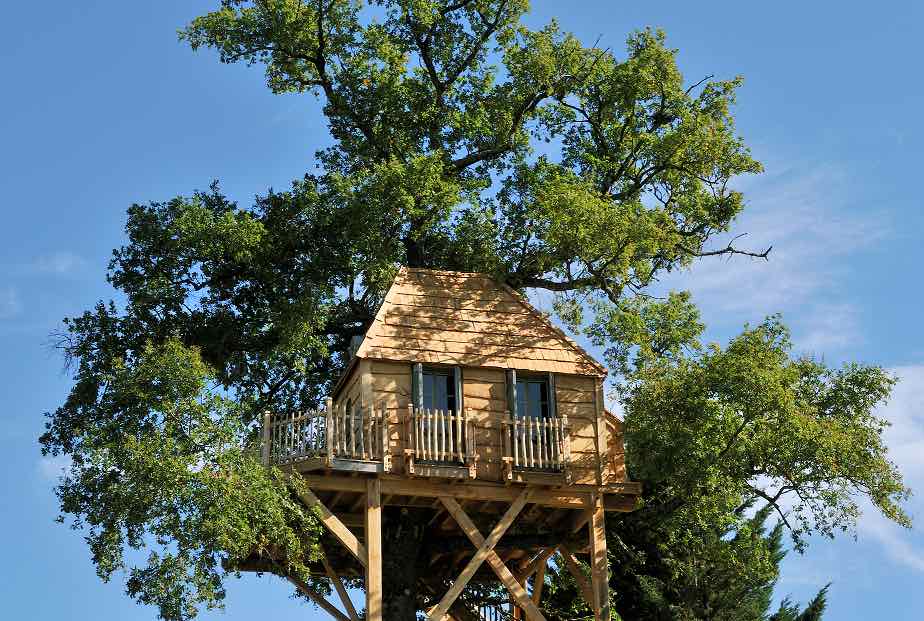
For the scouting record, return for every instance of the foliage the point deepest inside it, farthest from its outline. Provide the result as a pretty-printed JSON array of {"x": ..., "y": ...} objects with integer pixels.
[
  {"x": 461, "y": 140},
  {"x": 712, "y": 433}
]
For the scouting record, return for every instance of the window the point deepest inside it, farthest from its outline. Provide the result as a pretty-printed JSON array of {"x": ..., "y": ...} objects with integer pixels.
[
  {"x": 533, "y": 397},
  {"x": 439, "y": 391},
  {"x": 437, "y": 398},
  {"x": 437, "y": 388}
]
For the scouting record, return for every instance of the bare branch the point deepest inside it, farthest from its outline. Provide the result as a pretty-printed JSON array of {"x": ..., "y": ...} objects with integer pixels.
[{"x": 728, "y": 250}]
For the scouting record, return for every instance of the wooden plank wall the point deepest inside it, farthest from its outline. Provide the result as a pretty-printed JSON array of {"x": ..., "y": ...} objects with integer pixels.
[
  {"x": 352, "y": 390},
  {"x": 616, "y": 466},
  {"x": 484, "y": 393},
  {"x": 577, "y": 399}
]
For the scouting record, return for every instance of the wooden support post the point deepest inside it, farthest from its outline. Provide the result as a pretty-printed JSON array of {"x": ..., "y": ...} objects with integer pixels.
[
  {"x": 338, "y": 585},
  {"x": 374, "y": 547},
  {"x": 598, "y": 567},
  {"x": 335, "y": 526}
]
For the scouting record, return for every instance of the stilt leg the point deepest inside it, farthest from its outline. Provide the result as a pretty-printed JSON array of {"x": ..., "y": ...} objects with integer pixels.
[
  {"x": 600, "y": 583},
  {"x": 374, "y": 549}
]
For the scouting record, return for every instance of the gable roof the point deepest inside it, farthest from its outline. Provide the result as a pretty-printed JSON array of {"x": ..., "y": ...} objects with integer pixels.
[{"x": 462, "y": 318}]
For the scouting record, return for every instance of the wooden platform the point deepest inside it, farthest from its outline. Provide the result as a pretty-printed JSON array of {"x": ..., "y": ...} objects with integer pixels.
[{"x": 547, "y": 520}]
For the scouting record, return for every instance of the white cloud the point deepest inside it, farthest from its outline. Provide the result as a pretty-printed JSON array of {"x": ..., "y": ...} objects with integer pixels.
[
  {"x": 10, "y": 304},
  {"x": 61, "y": 262},
  {"x": 803, "y": 213},
  {"x": 51, "y": 468},
  {"x": 905, "y": 439},
  {"x": 830, "y": 326}
]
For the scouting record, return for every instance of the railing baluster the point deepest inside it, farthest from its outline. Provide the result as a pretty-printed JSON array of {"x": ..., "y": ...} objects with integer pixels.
[
  {"x": 418, "y": 439},
  {"x": 523, "y": 441},
  {"x": 545, "y": 443},
  {"x": 459, "y": 439},
  {"x": 516, "y": 441},
  {"x": 443, "y": 447},
  {"x": 556, "y": 450},
  {"x": 344, "y": 438},
  {"x": 360, "y": 448},
  {"x": 425, "y": 432},
  {"x": 432, "y": 428},
  {"x": 541, "y": 424},
  {"x": 440, "y": 439},
  {"x": 288, "y": 434}
]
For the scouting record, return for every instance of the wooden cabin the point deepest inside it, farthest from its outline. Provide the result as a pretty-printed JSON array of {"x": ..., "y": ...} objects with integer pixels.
[{"x": 462, "y": 395}]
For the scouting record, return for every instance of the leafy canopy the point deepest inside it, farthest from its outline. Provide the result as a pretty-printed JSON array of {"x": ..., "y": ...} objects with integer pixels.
[{"x": 461, "y": 140}]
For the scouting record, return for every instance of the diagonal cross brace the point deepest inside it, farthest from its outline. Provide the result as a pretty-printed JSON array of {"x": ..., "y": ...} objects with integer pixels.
[
  {"x": 486, "y": 553},
  {"x": 335, "y": 526}
]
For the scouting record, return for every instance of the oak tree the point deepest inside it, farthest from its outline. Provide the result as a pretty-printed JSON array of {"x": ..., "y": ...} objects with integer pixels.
[{"x": 462, "y": 139}]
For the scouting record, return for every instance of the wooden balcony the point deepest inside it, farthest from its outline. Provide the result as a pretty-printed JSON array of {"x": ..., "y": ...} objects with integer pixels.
[
  {"x": 437, "y": 443},
  {"x": 537, "y": 450},
  {"x": 333, "y": 438}
]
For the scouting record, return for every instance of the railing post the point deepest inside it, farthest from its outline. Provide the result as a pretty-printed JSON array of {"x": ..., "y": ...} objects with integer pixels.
[
  {"x": 411, "y": 450},
  {"x": 471, "y": 457},
  {"x": 508, "y": 429},
  {"x": 267, "y": 438},
  {"x": 386, "y": 449},
  {"x": 566, "y": 448},
  {"x": 329, "y": 431}
]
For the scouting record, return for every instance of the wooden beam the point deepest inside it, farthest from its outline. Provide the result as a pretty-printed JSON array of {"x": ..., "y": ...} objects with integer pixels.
[
  {"x": 598, "y": 568},
  {"x": 520, "y": 596},
  {"x": 485, "y": 546},
  {"x": 374, "y": 545},
  {"x": 574, "y": 568},
  {"x": 539, "y": 562},
  {"x": 622, "y": 504},
  {"x": 353, "y": 520},
  {"x": 334, "y": 525},
  {"x": 538, "y": 584},
  {"x": 338, "y": 584},
  {"x": 318, "y": 599},
  {"x": 469, "y": 491}
]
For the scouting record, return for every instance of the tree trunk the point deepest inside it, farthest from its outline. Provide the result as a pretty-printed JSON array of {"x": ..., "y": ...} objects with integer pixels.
[{"x": 402, "y": 540}]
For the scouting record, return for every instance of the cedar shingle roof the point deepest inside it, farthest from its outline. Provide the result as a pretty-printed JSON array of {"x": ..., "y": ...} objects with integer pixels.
[{"x": 461, "y": 318}]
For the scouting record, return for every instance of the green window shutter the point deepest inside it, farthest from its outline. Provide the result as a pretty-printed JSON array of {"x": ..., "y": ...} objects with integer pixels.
[
  {"x": 553, "y": 408},
  {"x": 417, "y": 385},
  {"x": 457, "y": 382},
  {"x": 512, "y": 392}
]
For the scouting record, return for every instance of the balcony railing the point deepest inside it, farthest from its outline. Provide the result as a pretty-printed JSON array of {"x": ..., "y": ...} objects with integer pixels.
[
  {"x": 537, "y": 444},
  {"x": 440, "y": 438},
  {"x": 437, "y": 443},
  {"x": 328, "y": 435}
]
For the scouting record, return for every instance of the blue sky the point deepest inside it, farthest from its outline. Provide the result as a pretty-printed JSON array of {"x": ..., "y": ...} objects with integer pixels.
[{"x": 102, "y": 107}]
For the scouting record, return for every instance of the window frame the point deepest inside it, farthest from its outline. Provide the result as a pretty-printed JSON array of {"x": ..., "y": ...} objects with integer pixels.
[
  {"x": 454, "y": 381},
  {"x": 514, "y": 377}
]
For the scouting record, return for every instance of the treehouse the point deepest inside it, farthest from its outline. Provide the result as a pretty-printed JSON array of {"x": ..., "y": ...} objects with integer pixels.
[{"x": 463, "y": 402}]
